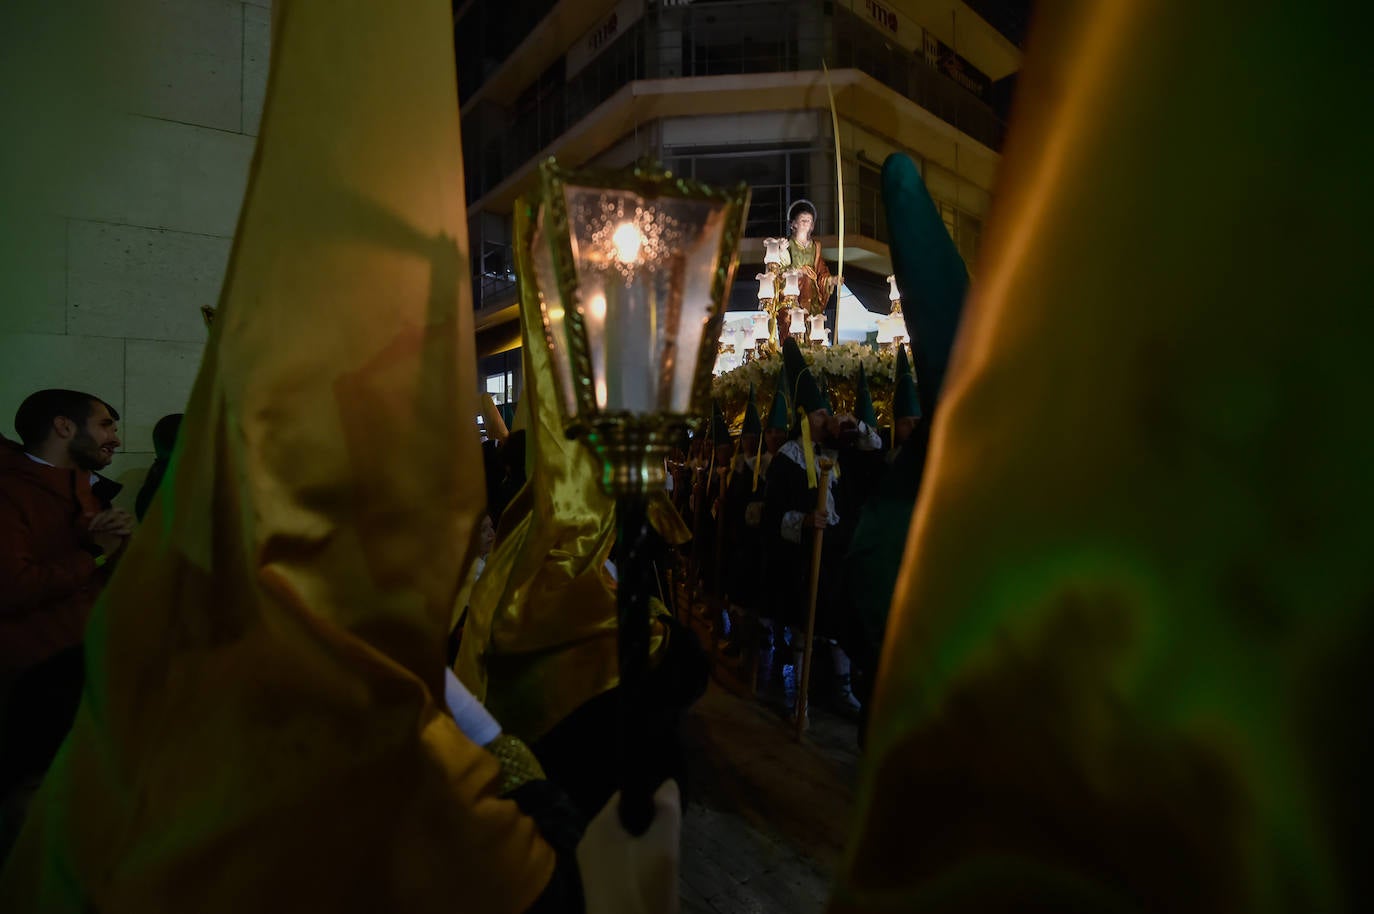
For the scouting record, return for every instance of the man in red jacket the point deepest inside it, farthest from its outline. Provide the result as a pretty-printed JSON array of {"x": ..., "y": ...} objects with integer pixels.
[{"x": 58, "y": 536}]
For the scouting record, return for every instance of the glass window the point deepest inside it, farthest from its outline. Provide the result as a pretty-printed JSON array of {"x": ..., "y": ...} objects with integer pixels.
[
  {"x": 501, "y": 386},
  {"x": 872, "y": 217},
  {"x": 775, "y": 177}
]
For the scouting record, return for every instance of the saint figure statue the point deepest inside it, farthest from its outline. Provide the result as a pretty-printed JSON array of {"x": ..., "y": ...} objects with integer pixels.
[{"x": 804, "y": 254}]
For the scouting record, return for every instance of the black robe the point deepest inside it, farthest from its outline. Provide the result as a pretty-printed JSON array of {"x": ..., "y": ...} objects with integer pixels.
[{"x": 787, "y": 577}]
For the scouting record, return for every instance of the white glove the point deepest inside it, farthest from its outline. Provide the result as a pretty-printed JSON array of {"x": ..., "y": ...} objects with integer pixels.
[{"x": 626, "y": 875}]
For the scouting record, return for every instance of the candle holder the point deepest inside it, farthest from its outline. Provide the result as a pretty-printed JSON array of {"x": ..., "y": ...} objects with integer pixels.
[
  {"x": 818, "y": 335},
  {"x": 892, "y": 329},
  {"x": 761, "y": 332}
]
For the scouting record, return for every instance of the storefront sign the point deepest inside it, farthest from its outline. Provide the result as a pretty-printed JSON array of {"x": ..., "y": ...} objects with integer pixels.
[
  {"x": 602, "y": 35},
  {"x": 902, "y": 30},
  {"x": 942, "y": 57},
  {"x": 898, "y": 27}
]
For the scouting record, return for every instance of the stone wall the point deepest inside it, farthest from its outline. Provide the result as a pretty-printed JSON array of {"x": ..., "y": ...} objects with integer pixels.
[{"x": 136, "y": 138}]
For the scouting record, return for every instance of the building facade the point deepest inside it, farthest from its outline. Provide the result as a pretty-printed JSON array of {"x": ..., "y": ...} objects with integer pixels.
[
  {"x": 133, "y": 126},
  {"x": 728, "y": 91}
]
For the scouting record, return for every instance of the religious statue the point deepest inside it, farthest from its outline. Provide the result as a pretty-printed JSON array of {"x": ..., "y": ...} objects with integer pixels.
[{"x": 804, "y": 254}]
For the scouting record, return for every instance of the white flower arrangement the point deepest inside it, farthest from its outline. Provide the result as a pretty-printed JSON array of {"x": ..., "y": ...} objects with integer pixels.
[{"x": 837, "y": 366}]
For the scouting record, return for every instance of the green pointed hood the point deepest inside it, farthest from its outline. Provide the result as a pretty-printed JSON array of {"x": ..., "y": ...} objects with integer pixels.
[
  {"x": 779, "y": 416},
  {"x": 752, "y": 424},
  {"x": 801, "y": 380},
  {"x": 720, "y": 429},
  {"x": 905, "y": 402},
  {"x": 863, "y": 401}
]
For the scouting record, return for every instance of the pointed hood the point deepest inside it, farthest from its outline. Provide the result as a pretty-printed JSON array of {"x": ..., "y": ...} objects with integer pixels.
[
  {"x": 779, "y": 415},
  {"x": 752, "y": 424},
  {"x": 1161, "y": 576},
  {"x": 720, "y": 428},
  {"x": 264, "y": 694},
  {"x": 929, "y": 271},
  {"x": 905, "y": 403},
  {"x": 863, "y": 401},
  {"x": 903, "y": 366},
  {"x": 801, "y": 380}
]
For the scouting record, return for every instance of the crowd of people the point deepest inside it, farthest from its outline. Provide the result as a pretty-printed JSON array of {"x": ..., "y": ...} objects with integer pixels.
[
  {"x": 760, "y": 524},
  {"x": 61, "y": 539}
]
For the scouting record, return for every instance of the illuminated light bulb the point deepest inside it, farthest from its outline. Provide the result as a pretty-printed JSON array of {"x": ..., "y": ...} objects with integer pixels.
[
  {"x": 596, "y": 306},
  {"x": 798, "y": 325},
  {"x": 791, "y": 285},
  {"x": 893, "y": 293},
  {"x": 627, "y": 241}
]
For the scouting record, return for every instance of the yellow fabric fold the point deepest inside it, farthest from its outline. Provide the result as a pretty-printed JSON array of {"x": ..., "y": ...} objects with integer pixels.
[
  {"x": 541, "y": 632},
  {"x": 1127, "y": 658},
  {"x": 808, "y": 451},
  {"x": 263, "y": 725},
  {"x": 666, "y": 520},
  {"x": 758, "y": 463},
  {"x": 491, "y": 419}
]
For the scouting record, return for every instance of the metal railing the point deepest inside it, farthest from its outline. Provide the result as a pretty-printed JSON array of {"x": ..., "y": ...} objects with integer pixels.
[
  {"x": 752, "y": 36},
  {"x": 857, "y": 46},
  {"x": 863, "y": 209}
]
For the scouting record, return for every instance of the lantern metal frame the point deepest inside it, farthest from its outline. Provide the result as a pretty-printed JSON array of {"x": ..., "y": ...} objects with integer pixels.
[{"x": 630, "y": 445}]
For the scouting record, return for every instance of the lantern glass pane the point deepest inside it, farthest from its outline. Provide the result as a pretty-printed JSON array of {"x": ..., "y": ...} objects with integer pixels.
[
  {"x": 644, "y": 272},
  {"x": 553, "y": 308}
]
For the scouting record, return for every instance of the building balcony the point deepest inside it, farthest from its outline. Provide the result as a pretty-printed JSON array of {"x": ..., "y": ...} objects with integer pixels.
[{"x": 703, "y": 44}]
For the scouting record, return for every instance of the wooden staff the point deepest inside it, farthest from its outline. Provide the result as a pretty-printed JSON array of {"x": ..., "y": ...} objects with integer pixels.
[
  {"x": 720, "y": 534},
  {"x": 824, "y": 465},
  {"x": 699, "y": 493}
]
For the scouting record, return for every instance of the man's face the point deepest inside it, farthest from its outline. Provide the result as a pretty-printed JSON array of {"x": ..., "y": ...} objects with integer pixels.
[
  {"x": 749, "y": 445},
  {"x": 902, "y": 429},
  {"x": 93, "y": 446},
  {"x": 803, "y": 225},
  {"x": 774, "y": 438}
]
